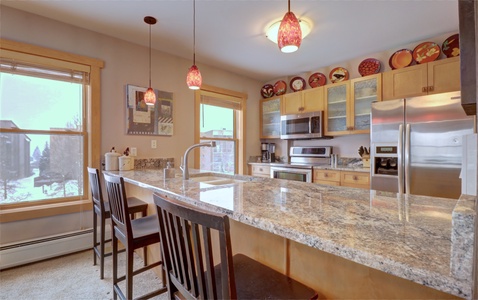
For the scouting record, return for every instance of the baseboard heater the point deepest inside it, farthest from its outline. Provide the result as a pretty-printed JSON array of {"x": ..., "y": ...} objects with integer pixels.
[{"x": 16, "y": 254}]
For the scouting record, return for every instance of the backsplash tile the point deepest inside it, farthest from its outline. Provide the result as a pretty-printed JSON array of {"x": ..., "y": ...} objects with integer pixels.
[{"x": 152, "y": 163}]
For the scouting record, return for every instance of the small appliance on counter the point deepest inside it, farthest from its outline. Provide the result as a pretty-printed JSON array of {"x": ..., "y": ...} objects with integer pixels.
[
  {"x": 268, "y": 151},
  {"x": 265, "y": 152}
]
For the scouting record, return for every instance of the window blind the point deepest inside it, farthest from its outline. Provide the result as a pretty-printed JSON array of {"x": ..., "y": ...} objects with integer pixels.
[{"x": 55, "y": 73}]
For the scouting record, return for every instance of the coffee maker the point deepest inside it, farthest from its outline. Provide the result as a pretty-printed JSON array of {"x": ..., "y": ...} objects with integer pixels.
[
  {"x": 265, "y": 152},
  {"x": 272, "y": 152}
]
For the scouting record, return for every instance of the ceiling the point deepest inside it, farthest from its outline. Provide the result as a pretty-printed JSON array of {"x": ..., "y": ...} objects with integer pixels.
[{"x": 230, "y": 34}]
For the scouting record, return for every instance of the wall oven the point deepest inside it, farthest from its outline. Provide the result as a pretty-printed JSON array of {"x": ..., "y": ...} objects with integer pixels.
[{"x": 302, "y": 126}]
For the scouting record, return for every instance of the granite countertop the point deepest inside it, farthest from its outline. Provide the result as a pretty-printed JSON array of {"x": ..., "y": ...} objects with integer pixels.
[
  {"x": 348, "y": 167},
  {"x": 423, "y": 239}
]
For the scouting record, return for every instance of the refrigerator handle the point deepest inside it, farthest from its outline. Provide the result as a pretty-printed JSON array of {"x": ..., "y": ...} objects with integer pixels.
[
  {"x": 407, "y": 159},
  {"x": 400, "y": 159}
]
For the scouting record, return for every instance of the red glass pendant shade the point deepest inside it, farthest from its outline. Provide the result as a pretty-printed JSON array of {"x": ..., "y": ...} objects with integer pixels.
[
  {"x": 194, "y": 79},
  {"x": 150, "y": 97},
  {"x": 290, "y": 34}
]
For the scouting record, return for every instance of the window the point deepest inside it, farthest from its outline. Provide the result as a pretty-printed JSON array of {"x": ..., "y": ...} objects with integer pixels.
[
  {"x": 220, "y": 114},
  {"x": 46, "y": 136}
]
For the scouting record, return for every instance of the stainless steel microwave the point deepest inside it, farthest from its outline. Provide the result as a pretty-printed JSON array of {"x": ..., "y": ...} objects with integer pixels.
[{"x": 302, "y": 126}]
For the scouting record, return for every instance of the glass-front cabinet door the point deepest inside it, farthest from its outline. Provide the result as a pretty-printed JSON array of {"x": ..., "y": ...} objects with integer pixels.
[
  {"x": 270, "y": 118},
  {"x": 364, "y": 91},
  {"x": 336, "y": 108}
]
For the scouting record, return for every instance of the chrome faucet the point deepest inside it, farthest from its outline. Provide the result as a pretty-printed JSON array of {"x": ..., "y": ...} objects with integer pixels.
[{"x": 184, "y": 166}]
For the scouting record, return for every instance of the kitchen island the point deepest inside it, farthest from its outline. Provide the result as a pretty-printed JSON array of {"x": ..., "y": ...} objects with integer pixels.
[{"x": 344, "y": 242}]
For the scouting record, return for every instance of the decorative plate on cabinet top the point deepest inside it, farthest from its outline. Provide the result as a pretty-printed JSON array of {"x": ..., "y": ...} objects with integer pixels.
[
  {"x": 317, "y": 79},
  {"x": 451, "y": 46},
  {"x": 400, "y": 59},
  {"x": 338, "y": 74},
  {"x": 369, "y": 66},
  {"x": 426, "y": 52},
  {"x": 297, "y": 84},
  {"x": 280, "y": 87},
  {"x": 267, "y": 91}
]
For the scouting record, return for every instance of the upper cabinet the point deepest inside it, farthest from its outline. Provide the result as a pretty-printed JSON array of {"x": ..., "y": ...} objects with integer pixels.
[
  {"x": 348, "y": 105},
  {"x": 304, "y": 101},
  {"x": 431, "y": 78},
  {"x": 270, "y": 118}
]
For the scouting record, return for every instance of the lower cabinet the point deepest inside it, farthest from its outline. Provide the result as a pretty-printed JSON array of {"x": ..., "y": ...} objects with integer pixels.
[
  {"x": 342, "y": 178},
  {"x": 260, "y": 171}
]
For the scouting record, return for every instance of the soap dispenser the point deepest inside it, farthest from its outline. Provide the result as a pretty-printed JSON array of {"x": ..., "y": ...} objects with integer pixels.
[{"x": 168, "y": 171}]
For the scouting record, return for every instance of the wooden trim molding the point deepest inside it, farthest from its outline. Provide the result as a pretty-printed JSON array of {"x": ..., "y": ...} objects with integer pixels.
[
  {"x": 40, "y": 211},
  {"x": 92, "y": 121}
]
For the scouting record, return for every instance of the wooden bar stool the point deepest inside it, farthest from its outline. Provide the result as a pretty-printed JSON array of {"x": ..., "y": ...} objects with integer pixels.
[
  {"x": 191, "y": 272},
  {"x": 101, "y": 210},
  {"x": 133, "y": 234}
]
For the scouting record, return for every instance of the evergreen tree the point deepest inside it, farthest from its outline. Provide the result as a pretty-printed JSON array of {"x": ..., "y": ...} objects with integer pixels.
[{"x": 45, "y": 159}]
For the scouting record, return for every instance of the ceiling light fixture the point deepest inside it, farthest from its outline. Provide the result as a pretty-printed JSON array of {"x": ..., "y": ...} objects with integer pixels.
[
  {"x": 273, "y": 30},
  {"x": 290, "y": 34},
  {"x": 150, "y": 96},
  {"x": 194, "y": 79}
]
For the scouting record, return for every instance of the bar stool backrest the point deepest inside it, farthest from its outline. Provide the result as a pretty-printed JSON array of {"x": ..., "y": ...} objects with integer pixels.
[
  {"x": 188, "y": 251},
  {"x": 95, "y": 188},
  {"x": 119, "y": 207}
]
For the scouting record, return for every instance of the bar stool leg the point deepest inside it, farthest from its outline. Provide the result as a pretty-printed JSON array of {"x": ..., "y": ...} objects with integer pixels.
[
  {"x": 95, "y": 225},
  {"x": 102, "y": 248},
  {"x": 129, "y": 274}
]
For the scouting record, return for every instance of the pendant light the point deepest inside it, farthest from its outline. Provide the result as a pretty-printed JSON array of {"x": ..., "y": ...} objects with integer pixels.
[
  {"x": 194, "y": 79},
  {"x": 150, "y": 96},
  {"x": 290, "y": 34}
]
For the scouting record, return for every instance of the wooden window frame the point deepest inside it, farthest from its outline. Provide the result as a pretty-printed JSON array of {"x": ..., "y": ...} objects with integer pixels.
[
  {"x": 92, "y": 121},
  {"x": 239, "y": 122}
]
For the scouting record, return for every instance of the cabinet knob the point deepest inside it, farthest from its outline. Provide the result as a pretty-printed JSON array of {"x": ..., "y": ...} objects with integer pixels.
[
  {"x": 355, "y": 178},
  {"x": 424, "y": 89},
  {"x": 430, "y": 88}
]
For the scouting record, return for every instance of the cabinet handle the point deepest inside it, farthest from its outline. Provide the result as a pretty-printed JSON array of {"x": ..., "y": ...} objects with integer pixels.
[
  {"x": 430, "y": 88},
  {"x": 355, "y": 178},
  {"x": 424, "y": 89},
  {"x": 326, "y": 175}
]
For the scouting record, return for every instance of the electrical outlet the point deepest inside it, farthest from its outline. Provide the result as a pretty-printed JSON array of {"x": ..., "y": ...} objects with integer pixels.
[
  {"x": 133, "y": 151},
  {"x": 153, "y": 144}
]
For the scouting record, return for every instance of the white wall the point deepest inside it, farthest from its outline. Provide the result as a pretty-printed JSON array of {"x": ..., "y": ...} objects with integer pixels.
[{"x": 125, "y": 63}]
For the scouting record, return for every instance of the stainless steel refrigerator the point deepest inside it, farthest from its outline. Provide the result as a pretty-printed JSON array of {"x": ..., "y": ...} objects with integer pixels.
[{"x": 416, "y": 145}]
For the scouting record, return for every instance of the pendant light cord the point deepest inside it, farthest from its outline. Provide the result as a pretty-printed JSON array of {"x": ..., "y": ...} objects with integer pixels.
[
  {"x": 194, "y": 32},
  {"x": 149, "y": 55},
  {"x": 289, "y": 5}
]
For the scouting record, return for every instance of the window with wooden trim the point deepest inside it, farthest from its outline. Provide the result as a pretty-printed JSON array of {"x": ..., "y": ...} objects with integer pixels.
[
  {"x": 46, "y": 138},
  {"x": 220, "y": 115}
]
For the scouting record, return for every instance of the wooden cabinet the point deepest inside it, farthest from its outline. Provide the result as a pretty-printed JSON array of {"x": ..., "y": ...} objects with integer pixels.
[
  {"x": 270, "y": 118},
  {"x": 261, "y": 171},
  {"x": 355, "y": 179},
  {"x": 431, "y": 78},
  {"x": 304, "y": 101},
  {"x": 328, "y": 177},
  {"x": 342, "y": 178},
  {"x": 348, "y": 105}
]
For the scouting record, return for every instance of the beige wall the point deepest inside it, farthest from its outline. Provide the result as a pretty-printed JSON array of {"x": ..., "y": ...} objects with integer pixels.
[{"x": 127, "y": 63}]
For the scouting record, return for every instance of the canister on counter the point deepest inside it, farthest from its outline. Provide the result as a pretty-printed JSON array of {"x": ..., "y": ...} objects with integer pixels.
[
  {"x": 126, "y": 163},
  {"x": 111, "y": 160}
]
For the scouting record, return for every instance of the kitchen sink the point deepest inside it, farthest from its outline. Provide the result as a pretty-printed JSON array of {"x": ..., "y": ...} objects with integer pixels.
[{"x": 215, "y": 180}]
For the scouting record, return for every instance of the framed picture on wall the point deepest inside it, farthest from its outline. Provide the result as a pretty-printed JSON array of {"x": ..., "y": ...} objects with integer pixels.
[{"x": 142, "y": 119}]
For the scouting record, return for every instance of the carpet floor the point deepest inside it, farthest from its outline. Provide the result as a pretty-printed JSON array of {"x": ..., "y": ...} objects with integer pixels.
[{"x": 72, "y": 277}]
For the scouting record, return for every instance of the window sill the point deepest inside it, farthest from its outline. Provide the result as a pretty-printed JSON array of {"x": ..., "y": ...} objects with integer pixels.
[{"x": 47, "y": 210}]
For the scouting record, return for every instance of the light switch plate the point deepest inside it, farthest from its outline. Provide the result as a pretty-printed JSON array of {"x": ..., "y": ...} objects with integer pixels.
[
  {"x": 153, "y": 144},
  {"x": 133, "y": 151}
]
